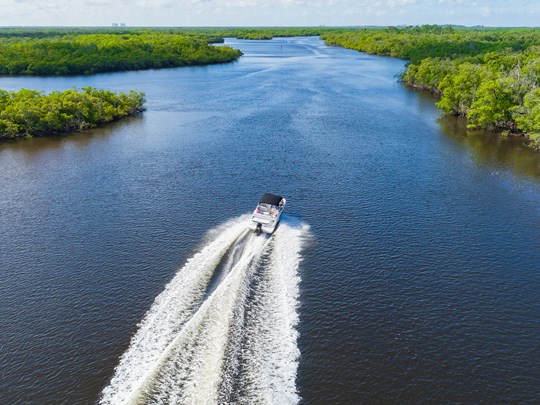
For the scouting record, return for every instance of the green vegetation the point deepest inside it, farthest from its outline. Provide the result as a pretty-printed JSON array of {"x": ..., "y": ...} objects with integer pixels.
[
  {"x": 418, "y": 43},
  {"x": 489, "y": 76},
  {"x": 69, "y": 54},
  {"x": 269, "y": 33},
  {"x": 71, "y": 51},
  {"x": 29, "y": 113}
]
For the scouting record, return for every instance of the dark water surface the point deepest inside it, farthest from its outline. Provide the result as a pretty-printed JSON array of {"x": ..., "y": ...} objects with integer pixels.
[{"x": 421, "y": 282}]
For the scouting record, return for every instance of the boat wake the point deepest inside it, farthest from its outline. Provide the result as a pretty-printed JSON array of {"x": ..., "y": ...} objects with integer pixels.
[{"x": 224, "y": 328}]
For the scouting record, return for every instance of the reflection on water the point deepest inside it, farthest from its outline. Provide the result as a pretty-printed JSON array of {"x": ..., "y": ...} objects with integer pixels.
[
  {"x": 79, "y": 139},
  {"x": 490, "y": 149}
]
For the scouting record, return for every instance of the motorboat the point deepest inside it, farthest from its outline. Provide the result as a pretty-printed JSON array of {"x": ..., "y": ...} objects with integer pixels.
[{"x": 267, "y": 214}]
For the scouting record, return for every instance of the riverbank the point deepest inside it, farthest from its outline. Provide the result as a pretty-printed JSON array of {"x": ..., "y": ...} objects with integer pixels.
[
  {"x": 28, "y": 113},
  {"x": 487, "y": 76}
]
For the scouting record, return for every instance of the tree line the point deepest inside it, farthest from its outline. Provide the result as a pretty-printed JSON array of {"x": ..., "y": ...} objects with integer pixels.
[
  {"x": 71, "y": 54},
  {"x": 489, "y": 76},
  {"x": 27, "y": 113},
  {"x": 198, "y": 32}
]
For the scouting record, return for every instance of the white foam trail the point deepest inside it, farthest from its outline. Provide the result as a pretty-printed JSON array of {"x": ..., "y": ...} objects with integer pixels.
[
  {"x": 191, "y": 336},
  {"x": 194, "y": 359},
  {"x": 170, "y": 310},
  {"x": 270, "y": 356}
]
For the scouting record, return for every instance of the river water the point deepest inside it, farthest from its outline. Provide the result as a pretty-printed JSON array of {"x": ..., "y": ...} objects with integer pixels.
[{"x": 407, "y": 269}]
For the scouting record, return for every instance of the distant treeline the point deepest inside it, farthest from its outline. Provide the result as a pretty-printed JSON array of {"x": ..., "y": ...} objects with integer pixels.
[
  {"x": 211, "y": 33},
  {"x": 28, "y": 113},
  {"x": 489, "y": 76},
  {"x": 269, "y": 33},
  {"x": 80, "y": 53}
]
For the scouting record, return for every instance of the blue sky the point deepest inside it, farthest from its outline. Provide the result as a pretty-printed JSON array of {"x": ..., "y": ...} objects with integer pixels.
[{"x": 269, "y": 12}]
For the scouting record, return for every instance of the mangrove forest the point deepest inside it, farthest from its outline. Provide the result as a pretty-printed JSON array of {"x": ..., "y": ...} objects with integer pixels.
[
  {"x": 81, "y": 53},
  {"x": 489, "y": 76},
  {"x": 28, "y": 113}
]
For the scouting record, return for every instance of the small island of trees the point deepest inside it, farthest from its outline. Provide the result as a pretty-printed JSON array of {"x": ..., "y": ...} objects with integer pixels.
[{"x": 28, "y": 113}]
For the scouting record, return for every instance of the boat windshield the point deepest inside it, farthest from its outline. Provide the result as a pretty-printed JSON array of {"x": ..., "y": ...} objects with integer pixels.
[
  {"x": 264, "y": 208},
  {"x": 267, "y": 209}
]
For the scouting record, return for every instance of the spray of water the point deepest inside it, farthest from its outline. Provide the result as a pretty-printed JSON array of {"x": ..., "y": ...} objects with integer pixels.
[{"x": 224, "y": 329}]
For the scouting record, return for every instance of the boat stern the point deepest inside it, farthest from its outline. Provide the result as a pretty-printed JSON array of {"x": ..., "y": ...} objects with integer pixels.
[{"x": 267, "y": 214}]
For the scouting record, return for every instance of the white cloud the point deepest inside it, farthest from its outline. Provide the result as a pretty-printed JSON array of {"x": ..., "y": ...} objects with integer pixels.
[
  {"x": 452, "y": 2},
  {"x": 485, "y": 11},
  {"x": 155, "y": 4},
  {"x": 398, "y": 3}
]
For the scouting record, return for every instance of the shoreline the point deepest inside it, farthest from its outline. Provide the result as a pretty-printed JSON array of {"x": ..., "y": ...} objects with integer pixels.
[
  {"x": 532, "y": 142},
  {"x": 27, "y": 113}
]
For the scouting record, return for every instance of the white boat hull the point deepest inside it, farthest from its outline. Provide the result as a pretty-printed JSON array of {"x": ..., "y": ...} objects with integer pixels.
[
  {"x": 266, "y": 217},
  {"x": 266, "y": 226}
]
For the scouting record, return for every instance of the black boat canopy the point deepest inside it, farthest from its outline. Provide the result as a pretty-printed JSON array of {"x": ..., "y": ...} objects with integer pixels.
[{"x": 271, "y": 199}]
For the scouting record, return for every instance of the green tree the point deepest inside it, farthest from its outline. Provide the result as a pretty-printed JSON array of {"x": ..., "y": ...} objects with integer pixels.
[
  {"x": 459, "y": 90},
  {"x": 492, "y": 107}
]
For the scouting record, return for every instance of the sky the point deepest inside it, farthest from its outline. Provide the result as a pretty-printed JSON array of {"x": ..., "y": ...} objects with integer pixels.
[{"x": 268, "y": 12}]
